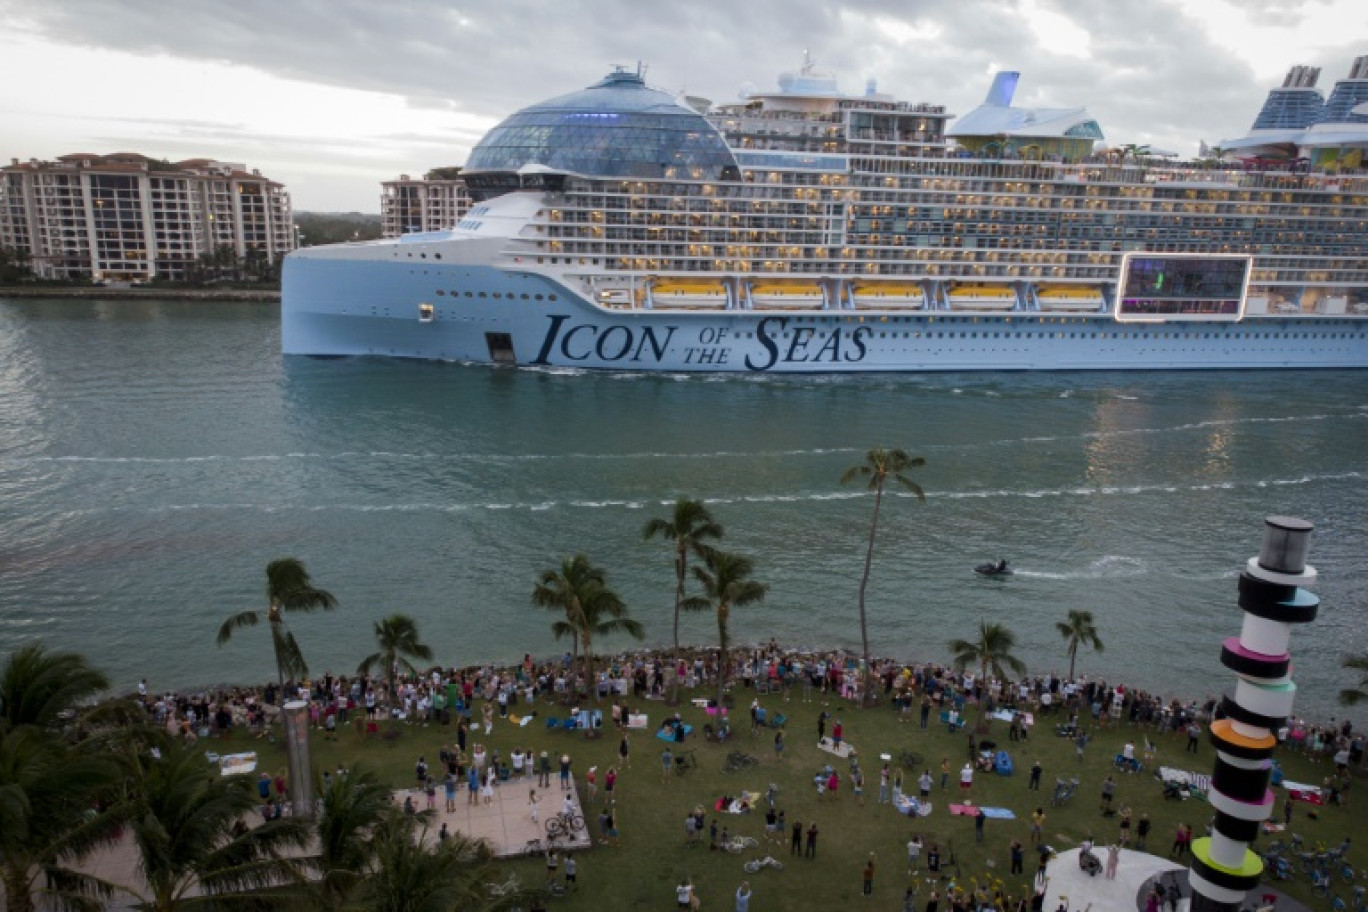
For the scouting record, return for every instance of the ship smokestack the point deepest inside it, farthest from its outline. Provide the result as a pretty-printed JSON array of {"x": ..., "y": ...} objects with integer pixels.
[{"x": 1003, "y": 88}]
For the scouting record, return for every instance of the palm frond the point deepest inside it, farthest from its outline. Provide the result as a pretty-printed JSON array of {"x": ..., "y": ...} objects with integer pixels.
[{"x": 241, "y": 619}]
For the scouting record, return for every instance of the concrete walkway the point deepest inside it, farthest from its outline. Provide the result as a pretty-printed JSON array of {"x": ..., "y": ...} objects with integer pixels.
[
  {"x": 1135, "y": 874},
  {"x": 507, "y": 820}
]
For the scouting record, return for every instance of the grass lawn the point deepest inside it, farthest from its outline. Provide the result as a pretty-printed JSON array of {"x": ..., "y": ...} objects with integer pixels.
[{"x": 653, "y": 857}]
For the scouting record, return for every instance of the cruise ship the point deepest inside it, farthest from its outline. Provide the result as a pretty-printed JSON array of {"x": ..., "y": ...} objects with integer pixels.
[{"x": 806, "y": 230}]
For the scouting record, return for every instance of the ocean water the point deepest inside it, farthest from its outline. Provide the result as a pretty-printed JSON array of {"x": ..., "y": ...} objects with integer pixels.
[{"x": 155, "y": 456}]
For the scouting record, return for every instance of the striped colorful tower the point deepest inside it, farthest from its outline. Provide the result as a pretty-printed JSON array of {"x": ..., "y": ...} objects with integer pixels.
[{"x": 1224, "y": 868}]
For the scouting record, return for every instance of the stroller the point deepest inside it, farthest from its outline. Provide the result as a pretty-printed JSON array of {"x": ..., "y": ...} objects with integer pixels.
[{"x": 1089, "y": 862}]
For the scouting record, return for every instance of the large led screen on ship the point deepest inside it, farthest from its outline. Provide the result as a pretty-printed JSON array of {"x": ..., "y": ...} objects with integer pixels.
[{"x": 1158, "y": 287}]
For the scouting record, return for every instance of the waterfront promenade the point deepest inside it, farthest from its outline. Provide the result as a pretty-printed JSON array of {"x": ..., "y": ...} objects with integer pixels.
[{"x": 654, "y": 851}]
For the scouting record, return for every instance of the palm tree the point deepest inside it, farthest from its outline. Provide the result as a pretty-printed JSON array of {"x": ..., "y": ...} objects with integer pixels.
[
  {"x": 183, "y": 826},
  {"x": 39, "y": 688},
  {"x": 353, "y": 806},
  {"x": 992, "y": 651},
  {"x": 1351, "y": 696},
  {"x": 726, "y": 586},
  {"x": 410, "y": 876},
  {"x": 49, "y": 782},
  {"x": 580, "y": 590},
  {"x": 879, "y": 466},
  {"x": 689, "y": 526},
  {"x": 397, "y": 637},
  {"x": 1079, "y": 630},
  {"x": 288, "y": 588}
]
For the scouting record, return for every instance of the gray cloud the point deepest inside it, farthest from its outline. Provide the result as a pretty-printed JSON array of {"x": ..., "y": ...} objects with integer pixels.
[{"x": 1151, "y": 75}]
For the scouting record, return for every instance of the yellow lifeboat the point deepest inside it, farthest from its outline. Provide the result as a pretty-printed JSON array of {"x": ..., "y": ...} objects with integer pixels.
[
  {"x": 888, "y": 295},
  {"x": 698, "y": 294},
  {"x": 782, "y": 295},
  {"x": 1069, "y": 297},
  {"x": 982, "y": 297}
]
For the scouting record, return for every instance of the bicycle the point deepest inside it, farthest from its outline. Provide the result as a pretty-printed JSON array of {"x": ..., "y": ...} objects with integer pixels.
[
  {"x": 685, "y": 762},
  {"x": 766, "y": 862},
  {"x": 737, "y": 761},
  {"x": 504, "y": 888},
  {"x": 738, "y": 844},
  {"x": 564, "y": 825}
]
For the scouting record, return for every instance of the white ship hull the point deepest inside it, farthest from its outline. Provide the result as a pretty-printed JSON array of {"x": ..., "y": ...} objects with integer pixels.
[{"x": 360, "y": 300}]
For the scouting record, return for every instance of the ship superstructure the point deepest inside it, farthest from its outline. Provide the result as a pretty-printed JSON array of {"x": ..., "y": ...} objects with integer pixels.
[{"x": 808, "y": 230}]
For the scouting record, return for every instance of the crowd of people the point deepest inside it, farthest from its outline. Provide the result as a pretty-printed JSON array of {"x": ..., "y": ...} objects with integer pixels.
[{"x": 468, "y": 700}]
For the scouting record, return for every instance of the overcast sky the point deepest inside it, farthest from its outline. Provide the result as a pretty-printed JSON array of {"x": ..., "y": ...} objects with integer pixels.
[{"x": 333, "y": 96}]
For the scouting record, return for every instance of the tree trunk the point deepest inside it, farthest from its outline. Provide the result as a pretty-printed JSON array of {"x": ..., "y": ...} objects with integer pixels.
[
  {"x": 864, "y": 583},
  {"x": 680, "y": 559},
  {"x": 723, "y": 663},
  {"x": 17, "y": 889},
  {"x": 280, "y": 664}
]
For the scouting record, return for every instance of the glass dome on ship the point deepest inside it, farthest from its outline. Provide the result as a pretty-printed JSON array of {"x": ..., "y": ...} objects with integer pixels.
[{"x": 617, "y": 128}]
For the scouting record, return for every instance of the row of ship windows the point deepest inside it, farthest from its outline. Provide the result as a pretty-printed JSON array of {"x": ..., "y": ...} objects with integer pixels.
[
  {"x": 481, "y": 294},
  {"x": 1103, "y": 335}
]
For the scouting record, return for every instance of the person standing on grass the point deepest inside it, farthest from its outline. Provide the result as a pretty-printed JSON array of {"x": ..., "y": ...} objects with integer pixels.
[
  {"x": 743, "y": 895},
  {"x": 811, "y": 841},
  {"x": 1181, "y": 839},
  {"x": 883, "y": 784},
  {"x": 945, "y": 772},
  {"x": 796, "y": 841},
  {"x": 1142, "y": 829},
  {"x": 1037, "y": 825},
  {"x": 966, "y": 778},
  {"x": 836, "y": 731},
  {"x": 1018, "y": 852},
  {"x": 779, "y": 746},
  {"x": 867, "y": 878},
  {"x": 924, "y": 785},
  {"x": 571, "y": 872},
  {"x": 914, "y": 847},
  {"x": 666, "y": 765},
  {"x": 978, "y": 825},
  {"x": 625, "y": 752},
  {"x": 1034, "y": 784},
  {"x": 684, "y": 894}
]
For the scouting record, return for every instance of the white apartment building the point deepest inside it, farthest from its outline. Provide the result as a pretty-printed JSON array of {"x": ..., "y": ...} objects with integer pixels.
[
  {"x": 434, "y": 203},
  {"x": 129, "y": 217}
]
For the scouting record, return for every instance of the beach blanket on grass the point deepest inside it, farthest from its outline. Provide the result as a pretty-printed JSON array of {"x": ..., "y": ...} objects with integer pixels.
[
  {"x": 1299, "y": 791},
  {"x": 668, "y": 734},
  {"x": 964, "y": 810},
  {"x": 236, "y": 764},
  {"x": 638, "y": 720},
  {"x": 1005, "y": 715},
  {"x": 741, "y": 804},
  {"x": 911, "y": 806},
  {"x": 520, "y": 721},
  {"x": 845, "y": 750},
  {"x": 1199, "y": 781},
  {"x": 998, "y": 813}
]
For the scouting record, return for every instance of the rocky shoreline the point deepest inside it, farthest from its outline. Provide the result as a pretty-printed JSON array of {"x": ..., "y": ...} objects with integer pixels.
[{"x": 93, "y": 293}]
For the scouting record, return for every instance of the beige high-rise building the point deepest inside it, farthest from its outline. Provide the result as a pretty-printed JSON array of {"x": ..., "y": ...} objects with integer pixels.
[
  {"x": 434, "y": 203},
  {"x": 126, "y": 217}
]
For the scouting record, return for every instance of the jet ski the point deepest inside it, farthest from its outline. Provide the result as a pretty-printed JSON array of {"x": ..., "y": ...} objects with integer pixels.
[{"x": 994, "y": 568}]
